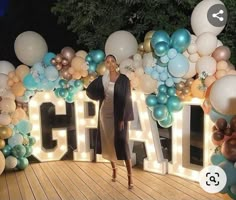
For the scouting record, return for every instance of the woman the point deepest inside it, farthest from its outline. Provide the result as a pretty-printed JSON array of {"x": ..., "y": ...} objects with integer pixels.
[{"x": 115, "y": 110}]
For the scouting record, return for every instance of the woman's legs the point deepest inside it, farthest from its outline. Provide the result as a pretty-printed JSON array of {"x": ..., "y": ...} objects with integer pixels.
[
  {"x": 113, "y": 165},
  {"x": 129, "y": 173}
]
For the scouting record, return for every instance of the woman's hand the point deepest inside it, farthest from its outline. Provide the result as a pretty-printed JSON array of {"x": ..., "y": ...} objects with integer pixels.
[{"x": 121, "y": 125}]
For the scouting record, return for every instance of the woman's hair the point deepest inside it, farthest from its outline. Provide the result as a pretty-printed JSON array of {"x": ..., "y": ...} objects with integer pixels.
[{"x": 110, "y": 55}]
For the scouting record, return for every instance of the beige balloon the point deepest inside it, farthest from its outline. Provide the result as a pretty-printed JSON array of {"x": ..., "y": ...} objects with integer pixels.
[
  {"x": 206, "y": 64},
  {"x": 18, "y": 89},
  {"x": 147, "y": 84},
  {"x": 81, "y": 53},
  {"x": 206, "y": 43},
  {"x": 209, "y": 80},
  {"x": 22, "y": 71},
  {"x": 191, "y": 71},
  {"x": 2, "y": 162},
  {"x": 220, "y": 73},
  {"x": 77, "y": 62}
]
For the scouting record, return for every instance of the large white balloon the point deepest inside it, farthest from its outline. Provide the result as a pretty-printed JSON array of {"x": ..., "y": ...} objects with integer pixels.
[
  {"x": 209, "y": 16},
  {"x": 6, "y": 67},
  {"x": 121, "y": 44},
  {"x": 2, "y": 162},
  {"x": 30, "y": 47},
  {"x": 223, "y": 95}
]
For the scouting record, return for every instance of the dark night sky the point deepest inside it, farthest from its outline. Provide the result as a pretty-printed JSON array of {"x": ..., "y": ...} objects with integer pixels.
[{"x": 32, "y": 15}]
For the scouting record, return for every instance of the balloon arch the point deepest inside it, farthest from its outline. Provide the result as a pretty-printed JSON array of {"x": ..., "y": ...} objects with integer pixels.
[{"x": 168, "y": 69}]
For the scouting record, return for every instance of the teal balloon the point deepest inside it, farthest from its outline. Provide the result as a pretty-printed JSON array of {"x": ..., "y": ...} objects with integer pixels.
[
  {"x": 62, "y": 83},
  {"x": 162, "y": 88},
  {"x": 98, "y": 56},
  {"x": 230, "y": 193},
  {"x": 167, "y": 122},
  {"x": 174, "y": 104},
  {"x": 78, "y": 83},
  {"x": 18, "y": 150},
  {"x": 151, "y": 100},
  {"x": 29, "y": 151},
  {"x": 51, "y": 73},
  {"x": 160, "y": 112},
  {"x": 29, "y": 82},
  {"x": 217, "y": 158},
  {"x": 171, "y": 91},
  {"x": 22, "y": 163},
  {"x": 180, "y": 40},
  {"x": 56, "y": 92},
  {"x": 70, "y": 98},
  {"x": 161, "y": 48},
  {"x": 230, "y": 172},
  {"x": 178, "y": 66},
  {"x": 32, "y": 140},
  {"x": 214, "y": 116},
  {"x": 162, "y": 98},
  {"x": 160, "y": 36},
  {"x": 48, "y": 57},
  {"x": 88, "y": 58},
  {"x": 63, "y": 92},
  {"x": 6, "y": 150},
  {"x": 92, "y": 67},
  {"x": 24, "y": 126}
]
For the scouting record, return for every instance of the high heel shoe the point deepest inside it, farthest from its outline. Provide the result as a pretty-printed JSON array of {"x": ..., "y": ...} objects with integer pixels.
[
  {"x": 130, "y": 182},
  {"x": 114, "y": 174}
]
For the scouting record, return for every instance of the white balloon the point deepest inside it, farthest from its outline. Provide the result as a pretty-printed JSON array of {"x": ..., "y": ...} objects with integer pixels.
[
  {"x": 3, "y": 83},
  {"x": 219, "y": 43},
  {"x": 30, "y": 47},
  {"x": 8, "y": 94},
  {"x": 2, "y": 162},
  {"x": 199, "y": 18},
  {"x": 11, "y": 162},
  {"x": 206, "y": 64},
  {"x": 148, "y": 85},
  {"x": 206, "y": 43},
  {"x": 191, "y": 71},
  {"x": 6, "y": 67},
  {"x": 149, "y": 60},
  {"x": 126, "y": 66},
  {"x": 223, "y": 95},
  {"x": 121, "y": 44}
]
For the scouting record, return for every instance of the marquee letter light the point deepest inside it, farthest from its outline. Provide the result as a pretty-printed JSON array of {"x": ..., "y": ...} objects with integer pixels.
[
  {"x": 180, "y": 164},
  {"x": 58, "y": 134},
  {"x": 83, "y": 123},
  {"x": 148, "y": 133}
]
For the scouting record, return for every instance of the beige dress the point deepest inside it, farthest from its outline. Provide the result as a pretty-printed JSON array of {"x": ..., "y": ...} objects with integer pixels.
[{"x": 107, "y": 124}]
